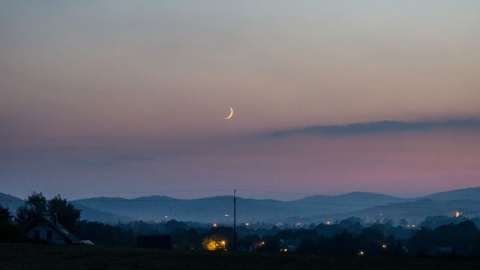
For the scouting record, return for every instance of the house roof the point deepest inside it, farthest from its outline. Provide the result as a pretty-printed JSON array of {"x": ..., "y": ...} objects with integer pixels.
[{"x": 60, "y": 229}]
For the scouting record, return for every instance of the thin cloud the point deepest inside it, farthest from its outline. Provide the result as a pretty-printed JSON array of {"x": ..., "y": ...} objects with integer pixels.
[{"x": 380, "y": 127}]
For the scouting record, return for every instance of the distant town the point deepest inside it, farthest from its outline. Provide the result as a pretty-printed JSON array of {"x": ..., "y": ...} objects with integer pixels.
[{"x": 452, "y": 230}]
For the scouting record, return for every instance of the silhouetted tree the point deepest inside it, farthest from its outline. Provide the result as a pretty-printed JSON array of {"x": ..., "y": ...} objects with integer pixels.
[
  {"x": 370, "y": 235},
  {"x": 419, "y": 242},
  {"x": 172, "y": 225},
  {"x": 8, "y": 231},
  {"x": 476, "y": 245},
  {"x": 32, "y": 211},
  {"x": 65, "y": 212},
  {"x": 36, "y": 206},
  {"x": 307, "y": 246},
  {"x": 328, "y": 230},
  {"x": 104, "y": 234},
  {"x": 459, "y": 237},
  {"x": 272, "y": 244},
  {"x": 143, "y": 228},
  {"x": 343, "y": 243},
  {"x": 186, "y": 239},
  {"x": 4, "y": 215},
  {"x": 349, "y": 222}
]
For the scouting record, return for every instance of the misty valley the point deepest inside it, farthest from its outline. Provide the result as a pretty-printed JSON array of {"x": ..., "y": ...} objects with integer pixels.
[{"x": 350, "y": 224}]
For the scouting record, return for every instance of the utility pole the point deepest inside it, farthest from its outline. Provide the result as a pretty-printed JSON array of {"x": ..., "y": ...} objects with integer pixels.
[{"x": 234, "y": 220}]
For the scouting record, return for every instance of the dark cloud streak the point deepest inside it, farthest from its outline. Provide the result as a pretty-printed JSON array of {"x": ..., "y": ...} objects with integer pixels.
[{"x": 381, "y": 127}]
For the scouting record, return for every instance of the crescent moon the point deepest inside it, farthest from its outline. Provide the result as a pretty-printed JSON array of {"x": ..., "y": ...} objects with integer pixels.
[{"x": 231, "y": 113}]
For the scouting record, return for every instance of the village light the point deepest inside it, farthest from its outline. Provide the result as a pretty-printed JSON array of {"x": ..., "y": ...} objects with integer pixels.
[
  {"x": 224, "y": 244},
  {"x": 384, "y": 246},
  {"x": 211, "y": 244}
]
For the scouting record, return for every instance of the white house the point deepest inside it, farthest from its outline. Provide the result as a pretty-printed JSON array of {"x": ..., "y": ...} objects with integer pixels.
[{"x": 48, "y": 229}]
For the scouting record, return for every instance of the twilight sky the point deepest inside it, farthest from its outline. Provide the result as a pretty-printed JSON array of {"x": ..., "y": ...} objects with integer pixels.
[{"x": 128, "y": 98}]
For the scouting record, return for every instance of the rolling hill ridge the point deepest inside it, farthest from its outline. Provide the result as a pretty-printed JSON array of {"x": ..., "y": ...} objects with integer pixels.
[{"x": 317, "y": 208}]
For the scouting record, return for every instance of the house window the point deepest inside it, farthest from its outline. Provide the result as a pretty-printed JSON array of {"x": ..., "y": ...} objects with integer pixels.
[
  {"x": 36, "y": 234},
  {"x": 49, "y": 235}
]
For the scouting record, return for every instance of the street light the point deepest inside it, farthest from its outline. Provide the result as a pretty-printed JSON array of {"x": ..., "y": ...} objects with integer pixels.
[{"x": 224, "y": 244}]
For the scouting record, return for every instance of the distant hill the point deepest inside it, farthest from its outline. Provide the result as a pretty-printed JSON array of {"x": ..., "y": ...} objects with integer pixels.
[
  {"x": 220, "y": 209},
  {"x": 10, "y": 202},
  {"x": 91, "y": 214},
  {"x": 472, "y": 194},
  {"x": 416, "y": 211},
  {"x": 351, "y": 201},
  {"x": 145, "y": 208},
  {"x": 368, "y": 206},
  {"x": 209, "y": 210},
  {"x": 466, "y": 201}
]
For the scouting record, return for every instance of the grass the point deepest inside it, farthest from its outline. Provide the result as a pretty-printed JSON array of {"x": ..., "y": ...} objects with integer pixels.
[{"x": 31, "y": 256}]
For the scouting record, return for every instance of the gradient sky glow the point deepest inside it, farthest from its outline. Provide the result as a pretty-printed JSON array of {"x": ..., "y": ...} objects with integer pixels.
[{"x": 128, "y": 98}]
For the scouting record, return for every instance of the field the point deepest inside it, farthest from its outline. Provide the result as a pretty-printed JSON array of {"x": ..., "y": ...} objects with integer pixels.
[{"x": 28, "y": 256}]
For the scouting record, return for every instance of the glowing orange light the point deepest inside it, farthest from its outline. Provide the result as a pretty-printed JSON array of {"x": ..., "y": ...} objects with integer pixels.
[
  {"x": 224, "y": 245},
  {"x": 212, "y": 244}
]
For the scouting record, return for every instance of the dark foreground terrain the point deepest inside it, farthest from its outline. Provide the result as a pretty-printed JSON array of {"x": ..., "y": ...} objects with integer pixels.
[{"x": 28, "y": 256}]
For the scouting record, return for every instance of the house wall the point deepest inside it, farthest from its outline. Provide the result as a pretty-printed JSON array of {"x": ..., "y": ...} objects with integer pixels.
[{"x": 56, "y": 239}]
